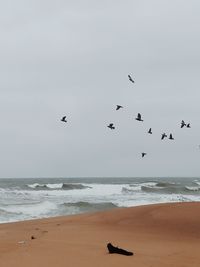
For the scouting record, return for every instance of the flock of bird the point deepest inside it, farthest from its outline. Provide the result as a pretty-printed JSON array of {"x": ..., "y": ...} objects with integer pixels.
[{"x": 139, "y": 118}]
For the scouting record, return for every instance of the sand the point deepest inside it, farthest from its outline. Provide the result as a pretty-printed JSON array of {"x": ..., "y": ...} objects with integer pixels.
[{"x": 159, "y": 235}]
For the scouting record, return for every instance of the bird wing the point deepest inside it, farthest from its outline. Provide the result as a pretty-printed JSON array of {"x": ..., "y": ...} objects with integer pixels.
[
  {"x": 182, "y": 124},
  {"x": 130, "y": 78},
  {"x": 118, "y": 107}
]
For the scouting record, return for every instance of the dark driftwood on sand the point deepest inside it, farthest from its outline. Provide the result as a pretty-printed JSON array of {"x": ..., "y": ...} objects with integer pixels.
[{"x": 117, "y": 250}]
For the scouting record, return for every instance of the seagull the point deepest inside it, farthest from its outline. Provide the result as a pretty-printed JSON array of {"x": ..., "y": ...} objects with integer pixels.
[
  {"x": 130, "y": 79},
  {"x": 111, "y": 126},
  {"x": 188, "y": 125},
  {"x": 183, "y": 124},
  {"x": 171, "y": 137},
  {"x": 143, "y": 154},
  {"x": 139, "y": 118},
  {"x": 163, "y": 136},
  {"x": 149, "y": 131},
  {"x": 64, "y": 119},
  {"x": 118, "y": 107}
]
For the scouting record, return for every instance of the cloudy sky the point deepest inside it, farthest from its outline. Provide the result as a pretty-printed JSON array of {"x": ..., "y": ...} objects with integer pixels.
[{"x": 64, "y": 57}]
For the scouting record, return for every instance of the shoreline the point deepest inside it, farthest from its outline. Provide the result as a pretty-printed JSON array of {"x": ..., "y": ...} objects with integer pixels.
[
  {"x": 166, "y": 234},
  {"x": 26, "y": 200}
]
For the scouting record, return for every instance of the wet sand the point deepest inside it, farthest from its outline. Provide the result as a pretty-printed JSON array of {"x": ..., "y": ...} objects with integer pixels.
[{"x": 159, "y": 235}]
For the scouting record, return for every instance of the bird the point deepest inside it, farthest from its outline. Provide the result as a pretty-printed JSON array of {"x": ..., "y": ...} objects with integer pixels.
[
  {"x": 183, "y": 124},
  {"x": 130, "y": 79},
  {"x": 111, "y": 126},
  {"x": 171, "y": 137},
  {"x": 150, "y": 131},
  {"x": 143, "y": 154},
  {"x": 64, "y": 119},
  {"x": 118, "y": 107},
  {"x": 188, "y": 125},
  {"x": 139, "y": 117},
  {"x": 163, "y": 136}
]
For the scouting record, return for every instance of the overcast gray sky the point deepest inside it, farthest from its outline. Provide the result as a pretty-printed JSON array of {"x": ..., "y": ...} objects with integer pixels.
[{"x": 61, "y": 57}]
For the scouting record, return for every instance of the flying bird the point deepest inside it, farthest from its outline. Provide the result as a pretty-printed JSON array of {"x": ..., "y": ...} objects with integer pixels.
[
  {"x": 118, "y": 107},
  {"x": 171, "y": 137},
  {"x": 111, "y": 126},
  {"x": 64, "y": 119},
  {"x": 139, "y": 117},
  {"x": 143, "y": 154},
  {"x": 163, "y": 136},
  {"x": 188, "y": 125},
  {"x": 130, "y": 79},
  {"x": 183, "y": 124},
  {"x": 150, "y": 131}
]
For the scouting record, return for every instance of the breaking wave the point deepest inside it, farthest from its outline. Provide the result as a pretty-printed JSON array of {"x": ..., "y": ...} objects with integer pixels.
[
  {"x": 171, "y": 189},
  {"x": 61, "y": 186},
  {"x": 22, "y": 199},
  {"x": 163, "y": 188}
]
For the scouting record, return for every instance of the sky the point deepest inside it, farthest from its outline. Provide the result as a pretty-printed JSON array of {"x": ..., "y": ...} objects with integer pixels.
[{"x": 72, "y": 58}]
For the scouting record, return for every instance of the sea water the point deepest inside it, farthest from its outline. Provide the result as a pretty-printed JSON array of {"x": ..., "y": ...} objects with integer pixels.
[{"x": 24, "y": 199}]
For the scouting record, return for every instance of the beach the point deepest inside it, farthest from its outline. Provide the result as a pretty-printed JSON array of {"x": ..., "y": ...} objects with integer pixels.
[{"x": 158, "y": 235}]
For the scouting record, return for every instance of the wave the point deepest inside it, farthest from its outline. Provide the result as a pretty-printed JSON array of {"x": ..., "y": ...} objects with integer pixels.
[
  {"x": 196, "y": 183},
  {"x": 60, "y": 186},
  {"x": 192, "y": 188},
  {"x": 4, "y": 212},
  {"x": 163, "y": 188},
  {"x": 75, "y": 186},
  {"x": 31, "y": 209},
  {"x": 164, "y": 184},
  {"x": 127, "y": 190},
  {"x": 171, "y": 189},
  {"x": 88, "y": 206}
]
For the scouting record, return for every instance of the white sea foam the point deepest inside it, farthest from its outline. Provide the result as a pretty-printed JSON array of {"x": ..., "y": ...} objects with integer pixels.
[
  {"x": 52, "y": 186},
  {"x": 34, "y": 185},
  {"x": 20, "y": 202},
  {"x": 193, "y": 188},
  {"x": 31, "y": 209}
]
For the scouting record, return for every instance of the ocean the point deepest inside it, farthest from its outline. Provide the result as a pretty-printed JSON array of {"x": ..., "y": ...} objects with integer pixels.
[{"x": 24, "y": 199}]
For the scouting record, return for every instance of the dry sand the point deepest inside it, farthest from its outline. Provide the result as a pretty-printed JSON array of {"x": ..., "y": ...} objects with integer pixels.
[{"x": 159, "y": 235}]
